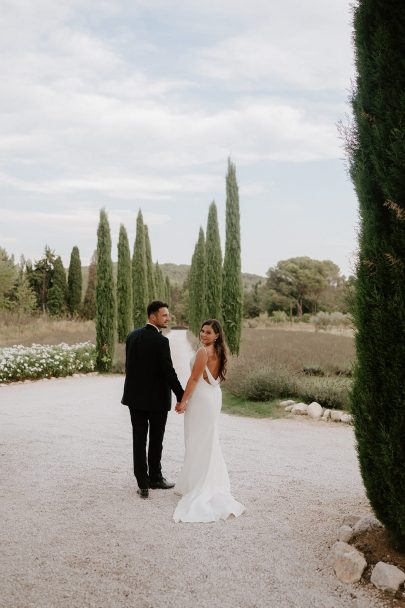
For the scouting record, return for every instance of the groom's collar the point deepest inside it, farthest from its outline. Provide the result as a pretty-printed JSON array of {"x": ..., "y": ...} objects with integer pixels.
[{"x": 152, "y": 325}]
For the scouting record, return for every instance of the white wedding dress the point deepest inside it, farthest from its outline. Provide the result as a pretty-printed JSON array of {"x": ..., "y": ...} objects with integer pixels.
[{"x": 203, "y": 481}]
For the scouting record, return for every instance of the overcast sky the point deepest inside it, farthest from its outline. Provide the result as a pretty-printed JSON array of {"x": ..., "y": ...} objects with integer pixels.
[{"x": 129, "y": 104}]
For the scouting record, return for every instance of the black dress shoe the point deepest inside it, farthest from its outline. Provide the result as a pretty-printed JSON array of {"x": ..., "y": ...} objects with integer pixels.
[
  {"x": 143, "y": 492},
  {"x": 161, "y": 484}
]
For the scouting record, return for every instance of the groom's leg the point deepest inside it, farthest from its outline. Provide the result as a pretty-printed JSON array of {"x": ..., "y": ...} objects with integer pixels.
[
  {"x": 139, "y": 421},
  {"x": 157, "y": 425}
]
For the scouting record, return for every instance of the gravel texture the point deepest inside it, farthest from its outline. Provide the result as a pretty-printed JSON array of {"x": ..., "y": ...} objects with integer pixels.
[{"x": 75, "y": 534}]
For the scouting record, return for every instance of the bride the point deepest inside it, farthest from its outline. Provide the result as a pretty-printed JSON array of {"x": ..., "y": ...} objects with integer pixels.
[{"x": 203, "y": 481}]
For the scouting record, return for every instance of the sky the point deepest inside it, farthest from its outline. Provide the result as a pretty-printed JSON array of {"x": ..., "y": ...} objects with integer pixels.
[{"x": 129, "y": 104}]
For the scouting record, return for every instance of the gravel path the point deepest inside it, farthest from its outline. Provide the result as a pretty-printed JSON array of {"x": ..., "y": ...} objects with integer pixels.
[{"x": 76, "y": 535}]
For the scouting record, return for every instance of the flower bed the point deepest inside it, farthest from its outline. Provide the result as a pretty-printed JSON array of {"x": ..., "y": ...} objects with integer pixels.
[{"x": 44, "y": 361}]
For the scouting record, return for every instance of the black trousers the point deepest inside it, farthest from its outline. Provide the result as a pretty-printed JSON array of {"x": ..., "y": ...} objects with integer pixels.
[{"x": 150, "y": 468}]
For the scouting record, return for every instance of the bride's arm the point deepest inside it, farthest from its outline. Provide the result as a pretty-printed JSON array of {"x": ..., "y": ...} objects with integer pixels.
[{"x": 196, "y": 373}]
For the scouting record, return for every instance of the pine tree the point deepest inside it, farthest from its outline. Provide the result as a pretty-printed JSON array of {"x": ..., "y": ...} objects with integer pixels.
[
  {"x": 377, "y": 158},
  {"x": 167, "y": 290},
  {"x": 89, "y": 302},
  {"x": 232, "y": 292},
  {"x": 198, "y": 285},
  {"x": 74, "y": 290},
  {"x": 139, "y": 279},
  {"x": 159, "y": 282},
  {"x": 105, "y": 301},
  {"x": 124, "y": 287},
  {"x": 214, "y": 265},
  {"x": 57, "y": 294},
  {"x": 150, "y": 273}
]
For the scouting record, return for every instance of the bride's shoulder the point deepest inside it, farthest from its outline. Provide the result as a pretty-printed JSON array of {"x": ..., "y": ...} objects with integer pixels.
[{"x": 201, "y": 353}]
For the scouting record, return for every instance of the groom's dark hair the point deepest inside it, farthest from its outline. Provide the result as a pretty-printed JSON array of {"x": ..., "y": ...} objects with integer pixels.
[{"x": 154, "y": 307}]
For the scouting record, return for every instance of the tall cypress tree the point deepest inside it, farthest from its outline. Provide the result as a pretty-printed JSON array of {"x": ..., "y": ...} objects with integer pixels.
[
  {"x": 232, "y": 292},
  {"x": 214, "y": 265},
  {"x": 139, "y": 280},
  {"x": 74, "y": 291},
  {"x": 377, "y": 159},
  {"x": 159, "y": 282},
  {"x": 105, "y": 300},
  {"x": 150, "y": 272},
  {"x": 167, "y": 290},
  {"x": 89, "y": 302},
  {"x": 192, "y": 280},
  {"x": 124, "y": 287},
  {"x": 198, "y": 285},
  {"x": 57, "y": 294}
]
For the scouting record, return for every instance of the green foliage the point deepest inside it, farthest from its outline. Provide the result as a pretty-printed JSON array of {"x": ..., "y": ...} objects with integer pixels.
[
  {"x": 74, "y": 294},
  {"x": 214, "y": 265},
  {"x": 89, "y": 302},
  {"x": 150, "y": 273},
  {"x": 105, "y": 301},
  {"x": 232, "y": 295},
  {"x": 377, "y": 158},
  {"x": 333, "y": 393},
  {"x": 325, "y": 320},
  {"x": 40, "y": 276},
  {"x": 197, "y": 285},
  {"x": 279, "y": 316},
  {"x": 8, "y": 277},
  {"x": 265, "y": 384},
  {"x": 57, "y": 294},
  {"x": 168, "y": 291},
  {"x": 160, "y": 283},
  {"x": 39, "y": 361},
  {"x": 139, "y": 277},
  {"x": 124, "y": 287}
]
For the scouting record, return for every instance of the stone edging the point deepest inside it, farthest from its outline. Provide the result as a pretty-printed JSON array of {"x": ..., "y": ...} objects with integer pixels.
[{"x": 315, "y": 411}]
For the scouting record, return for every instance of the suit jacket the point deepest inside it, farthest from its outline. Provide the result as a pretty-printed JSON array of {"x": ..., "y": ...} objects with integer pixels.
[{"x": 149, "y": 373}]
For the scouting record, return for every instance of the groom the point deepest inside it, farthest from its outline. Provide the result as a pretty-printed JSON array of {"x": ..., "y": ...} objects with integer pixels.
[{"x": 149, "y": 380}]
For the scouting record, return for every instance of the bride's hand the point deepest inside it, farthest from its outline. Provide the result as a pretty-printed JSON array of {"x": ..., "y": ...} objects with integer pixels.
[{"x": 181, "y": 407}]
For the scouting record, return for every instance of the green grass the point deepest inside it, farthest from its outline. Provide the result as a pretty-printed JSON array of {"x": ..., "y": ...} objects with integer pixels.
[{"x": 237, "y": 406}]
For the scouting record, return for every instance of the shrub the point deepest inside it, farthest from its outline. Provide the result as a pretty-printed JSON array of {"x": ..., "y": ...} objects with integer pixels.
[
  {"x": 333, "y": 393},
  {"x": 278, "y": 316},
  {"x": 313, "y": 370},
  {"x": 38, "y": 361},
  {"x": 267, "y": 383},
  {"x": 323, "y": 320}
]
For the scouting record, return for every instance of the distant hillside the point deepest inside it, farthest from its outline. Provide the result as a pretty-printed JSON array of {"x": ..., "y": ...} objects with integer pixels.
[{"x": 177, "y": 274}]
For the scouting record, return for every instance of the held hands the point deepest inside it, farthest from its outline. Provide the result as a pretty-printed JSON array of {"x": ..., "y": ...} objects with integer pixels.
[{"x": 181, "y": 407}]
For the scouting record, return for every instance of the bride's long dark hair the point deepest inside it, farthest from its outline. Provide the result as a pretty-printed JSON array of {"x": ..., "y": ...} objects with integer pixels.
[{"x": 219, "y": 345}]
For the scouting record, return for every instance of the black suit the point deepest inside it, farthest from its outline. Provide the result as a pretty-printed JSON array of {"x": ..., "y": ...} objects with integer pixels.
[{"x": 149, "y": 380}]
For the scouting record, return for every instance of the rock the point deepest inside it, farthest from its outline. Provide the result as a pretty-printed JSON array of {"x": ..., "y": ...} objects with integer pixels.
[
  {"x": 287, "y": 402},
  {"x": 315, "y": 410},
  {"x": 326, "y": 415},
  {"x": 351, "y": 520},
  {"x": 387, "y": 577},
  {"x": 348, "y": 563},
  {"x": 366, "y": 523},
  {"x": 345, "y": 533},
  {"x": 335, "y": 415},
  {"x": 300, "y": 409},
  {"x": 347, "y": 418},
  {"x": 288, "y": 408}
]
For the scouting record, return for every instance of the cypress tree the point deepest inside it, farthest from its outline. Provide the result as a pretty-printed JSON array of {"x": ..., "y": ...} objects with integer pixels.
[
  {"x": 192, "y": 307},
  {"x": 198, "y": 285},
  {"x": 105, "y": 301},
  {"x": 124, "y": 287},
  {"x": 57, "y": 294},
  {"x": 232, "y": 291},
  {"x": 214, "y": 265},
  {"x": 150, "y": 273},
  {"x": 159, "y": 282},
  {"x": 139, "y": 280},
  {"x": 377, "y": 158},
  {"x": 74, "y": 291},
  {"x": 167, "y": 290},
  {"x": 89, "y": 302}
]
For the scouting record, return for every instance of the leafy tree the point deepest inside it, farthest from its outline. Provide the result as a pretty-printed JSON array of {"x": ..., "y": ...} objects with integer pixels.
[
  {"x": 89, "y": 302},
  {"x": 159, "y": 282},
  {"x": 198, "y": 285},
  {"x": 214, "y": 265},
  {"x": 377, "y": 159},
  {"x": 74, "y": 294},
  {"x": 232, "y": 293},
  {"x": 150, "y": 273},
  {"x": 139, "y": 278},
  {"x": 124, "y": 287},
  {"x": 57, "y": 294},
  {"x": 167, "y": 290},
  {"x": 8, "y": 277},
  {"x": 105, "y": 301},
  {"x": 40, "y": 276}
]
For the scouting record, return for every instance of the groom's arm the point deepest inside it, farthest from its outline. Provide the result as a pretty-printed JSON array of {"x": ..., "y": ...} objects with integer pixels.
[{"x": 168, "y": 370}]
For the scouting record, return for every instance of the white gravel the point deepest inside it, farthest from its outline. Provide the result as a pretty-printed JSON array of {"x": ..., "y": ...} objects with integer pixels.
[{"x": 75, "y": 534}]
